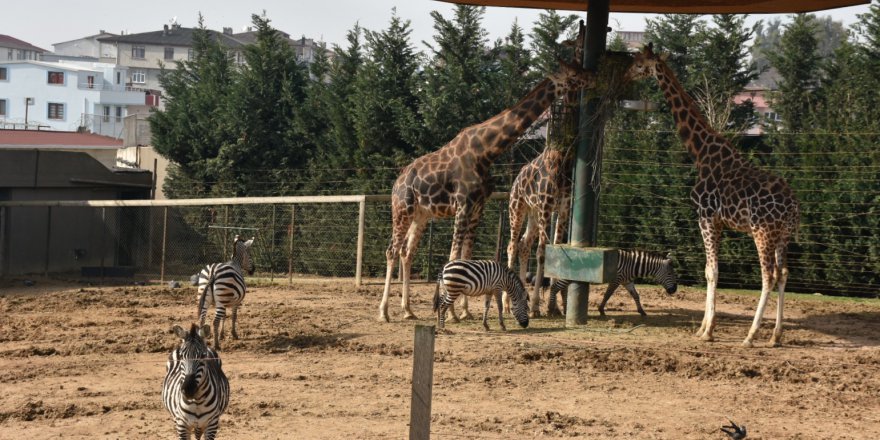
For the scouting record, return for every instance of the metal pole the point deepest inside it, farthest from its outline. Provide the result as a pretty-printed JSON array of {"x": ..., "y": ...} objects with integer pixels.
[
  {"x": 272, "y": 248},
  {"x": 586, "y": 197},
  {"x": 290, "y": 246},
  {"x": 48, "y": 239},
  {"x": 362, "y": 227},
  {"x": 103, "y": 238},
  {"x": 500, "y": 231},
  {"x": 164, "y": 238},
  {"x": 225, "y": 224},
  {"x": 3, "y": 241}
]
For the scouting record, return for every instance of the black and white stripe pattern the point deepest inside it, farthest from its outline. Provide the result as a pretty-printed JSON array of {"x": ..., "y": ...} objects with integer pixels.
[
  {"x": 222, "y": 284},
  {"x": 631, "y": 264},
  {"x": 195, "y": 391},
  {"x": 476, "y": 278}
]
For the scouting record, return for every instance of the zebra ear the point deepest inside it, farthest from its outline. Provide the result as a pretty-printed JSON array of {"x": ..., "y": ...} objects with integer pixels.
[
  {"x": 205, "y": 331},
  {"x": 179, "y": 331}
]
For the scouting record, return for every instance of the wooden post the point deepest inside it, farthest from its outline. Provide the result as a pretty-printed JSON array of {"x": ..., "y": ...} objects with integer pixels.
[
  {"x": 290, "y": 245},
  {"x": 272, "y": 248},
  {"x": 362, "y": 218},
  {"x": 422, "y": 380},
  {"x": 48, "y": 239},
  {"x": 164, "y": 238}
]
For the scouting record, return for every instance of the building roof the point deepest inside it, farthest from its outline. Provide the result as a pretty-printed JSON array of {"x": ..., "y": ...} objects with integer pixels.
[
  {"x": 15, "y": 43},
  {"x": 52, "y": 65},
  {"x": 173, "y": 36},
  {"x": 56, "y": 139},
  {"x": 100, "y": 34}
]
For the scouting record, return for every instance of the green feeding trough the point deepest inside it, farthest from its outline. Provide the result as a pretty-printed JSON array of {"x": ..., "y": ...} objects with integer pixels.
[{"x": 588, "y": 264}]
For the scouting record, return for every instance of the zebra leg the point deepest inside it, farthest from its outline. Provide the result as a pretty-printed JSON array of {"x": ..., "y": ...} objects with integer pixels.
[
  {"x": 211, "y": 431},
  {"x": 488, "y": 303},
  {"x": 467, "y": 246},
  {"x": 197, "y": 432},
  {"x": 182, "y": 431},
  {"x": 234, "y": 321},
  {"x": 612, "y": 286},
  {"x": 219, "y": 317},
  {"x": 500, "y": 312},
  {"x": 631, "y": 288}
]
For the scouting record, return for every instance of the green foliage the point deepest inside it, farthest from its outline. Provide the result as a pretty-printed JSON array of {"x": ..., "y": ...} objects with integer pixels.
[
  {"x": 798, "y": 64},
  {"x": 547, "y": 36}
]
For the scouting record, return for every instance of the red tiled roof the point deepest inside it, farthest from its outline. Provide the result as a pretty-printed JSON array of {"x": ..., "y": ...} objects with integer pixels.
[
  {"x": 15, "y": 43},
  {"x": 35, "y": 138}
]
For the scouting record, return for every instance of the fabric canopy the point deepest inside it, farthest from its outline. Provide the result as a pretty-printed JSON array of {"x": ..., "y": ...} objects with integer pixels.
[{"x": 678, "y": 6}]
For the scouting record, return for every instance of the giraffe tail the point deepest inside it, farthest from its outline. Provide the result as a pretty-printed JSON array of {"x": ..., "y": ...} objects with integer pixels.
[{"x": 437, "y": 292}]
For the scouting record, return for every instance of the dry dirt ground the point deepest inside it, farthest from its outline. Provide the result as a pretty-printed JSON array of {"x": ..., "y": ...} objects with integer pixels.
[{"x": 78, "y": 361}]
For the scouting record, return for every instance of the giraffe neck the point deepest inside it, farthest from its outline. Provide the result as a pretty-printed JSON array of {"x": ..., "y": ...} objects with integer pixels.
[
  {"x": 498, "y": 133},
  {"x": 689, "y": 121}
]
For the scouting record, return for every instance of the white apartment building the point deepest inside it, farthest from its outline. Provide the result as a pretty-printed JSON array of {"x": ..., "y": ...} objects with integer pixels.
[{"x": 65, "y": 96}]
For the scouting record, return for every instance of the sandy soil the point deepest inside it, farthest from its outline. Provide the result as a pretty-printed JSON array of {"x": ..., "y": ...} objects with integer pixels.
[{"x": 78, "y": 361}]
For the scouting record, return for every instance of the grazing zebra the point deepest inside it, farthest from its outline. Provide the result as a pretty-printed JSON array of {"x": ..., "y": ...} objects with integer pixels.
[
  {"x": 222, "y": 284},
  {"x": 480, "y": 277},
  {"x": 631, "y": 264},
  {"x": 195, "y": 391}
]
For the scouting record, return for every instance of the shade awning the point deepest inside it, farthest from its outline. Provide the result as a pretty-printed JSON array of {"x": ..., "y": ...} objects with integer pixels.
[{"x": 678, "y": 6}]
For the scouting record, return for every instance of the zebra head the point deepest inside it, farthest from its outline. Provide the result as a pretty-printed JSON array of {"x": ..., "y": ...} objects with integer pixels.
[
  {"x": 519, "y": 298},
  {"x": 666, "y": 275},
  {"x": 192, "y": 358},
  {"x": 241, "y": 254}
]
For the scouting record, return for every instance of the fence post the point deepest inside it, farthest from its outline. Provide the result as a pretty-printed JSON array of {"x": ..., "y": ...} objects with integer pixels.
[
  {"x": 422, "y": 380},
  {"x": 225, "y": 232},
  {"x": 290, "y": 245},
  {"x": 48, "y": 239},
  {"x": 272, "y": 248},
  {"x": 164, "y": 238},
  {"x": 103, "y": 238},
  {"x": 362, "y": 216}
]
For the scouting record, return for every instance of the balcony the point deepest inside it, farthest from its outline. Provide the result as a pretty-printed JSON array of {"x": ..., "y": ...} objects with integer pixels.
[{"x": 115, "y": 94}]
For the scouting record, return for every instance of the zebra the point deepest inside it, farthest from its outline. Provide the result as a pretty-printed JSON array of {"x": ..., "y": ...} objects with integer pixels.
[
  {"x": 631, "y": 264},
  {"x": 195, "y": 391},
  {"x": 480, "y": 277},
  {"x": 222, "y": 284}
]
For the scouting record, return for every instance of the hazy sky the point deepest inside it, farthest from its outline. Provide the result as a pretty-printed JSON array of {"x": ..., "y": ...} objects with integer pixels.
[{"x": 44, "y": 23}]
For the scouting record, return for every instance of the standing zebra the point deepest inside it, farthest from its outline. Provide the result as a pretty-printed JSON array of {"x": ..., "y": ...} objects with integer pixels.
[
  {"x": 480, "y": 277},
  {"x": 631, "y": 264},
  {"x": 222, "y": 284},
  {"x": 195, "y": 391}
]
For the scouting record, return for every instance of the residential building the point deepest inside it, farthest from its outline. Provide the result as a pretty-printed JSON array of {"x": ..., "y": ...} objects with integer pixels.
[
  {"x": 103, "y": 149},
  {"x": 759, "y": 92},
  {"x": 86, "y": 48},
  {"x": 304, "y": 48},
  {"x": 634, "y": 39},
  {"x": 143, "y": 55},
  {"x": 13, "y": 49},
  {"x": 65, "y": 96}
]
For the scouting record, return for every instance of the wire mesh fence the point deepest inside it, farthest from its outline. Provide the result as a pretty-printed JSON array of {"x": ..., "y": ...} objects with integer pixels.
[{"x": 645, "y": 203}]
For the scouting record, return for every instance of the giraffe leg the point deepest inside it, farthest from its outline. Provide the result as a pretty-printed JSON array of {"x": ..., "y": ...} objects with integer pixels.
[
  {"x": 525, "y": 247},
  {"x": 416, "y": 228},
  {"x": 781, "y": 279},
  {"x": 767, "y": 258},
  {"x": 543, "y": 223},
  {"x": 517, "y": 211},
  {"x": 467, "y": 246},
  {"x": 559, "y": 237},
  {"x": 401, "y": 223},
  {"x": 711, "y": 232},
  {"x": 612, "y": 286}
]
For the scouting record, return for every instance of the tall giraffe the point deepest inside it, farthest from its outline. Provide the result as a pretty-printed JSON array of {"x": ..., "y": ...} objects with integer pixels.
[
  {"x": 542, "y": 187},
  {"x": 729, "y": 192},
  {"x": 455, "y": 180}
]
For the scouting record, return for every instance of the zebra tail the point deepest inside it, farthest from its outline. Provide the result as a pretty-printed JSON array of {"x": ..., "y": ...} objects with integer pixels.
[
  {"x": 210, "y": 285},
  {"x": 437, "y": 293}
]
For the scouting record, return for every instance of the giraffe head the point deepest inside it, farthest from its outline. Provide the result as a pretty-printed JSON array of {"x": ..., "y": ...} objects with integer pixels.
[
  {"x": 572, "y": 77},
  {"x": 645, "y": 63}
]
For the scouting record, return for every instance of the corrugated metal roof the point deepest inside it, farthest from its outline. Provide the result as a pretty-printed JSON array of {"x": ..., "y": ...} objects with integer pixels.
[
  {"x": 15, "y": 43},
  {"x": 678, "y": 6},
  {"x": 55, "y": 139},
  {"x": 172, "y": 37}
]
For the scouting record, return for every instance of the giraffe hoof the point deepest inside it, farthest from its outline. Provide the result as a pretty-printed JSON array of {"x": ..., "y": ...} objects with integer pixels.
[
  {"x": 774, "y": 343},
  {"x": 747, "y": 344},
  {"x": 443, "y": 331},
  {"x": 465, "y": 316},
  {"x": 383, "y": 318},
  {"x": 554, "y": 312},
  {"x": 409, "y": 316},
  {"x": 706, "y": 337}
]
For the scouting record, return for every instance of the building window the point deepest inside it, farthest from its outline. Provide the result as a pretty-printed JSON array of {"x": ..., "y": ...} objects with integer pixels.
[
  {"x": 138, "y": 52},
  {"x": 56, "y": 77},
  {"x": 169, "y": 53},
  {"x": 118, "y": 114},
  {"x": 3, "y": 107},
  {"x": 3, "y": 74},
  {"x": 90, "y": 81},
  {"x": 56, "y": 111},
  {"x": 106, "y": 113},
  {"x": 9, "y": 54},
  {"x": 189, "y": 54},
  {"x": 138, "y": 76},
  {"x": 118, "y": 77}
]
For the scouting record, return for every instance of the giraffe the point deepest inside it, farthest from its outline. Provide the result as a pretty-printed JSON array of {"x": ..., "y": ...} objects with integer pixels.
[
  {"x": 454, "y": 181},
  {"x": 729, "y": 192},
  {"x": 542, "y": 187}
]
